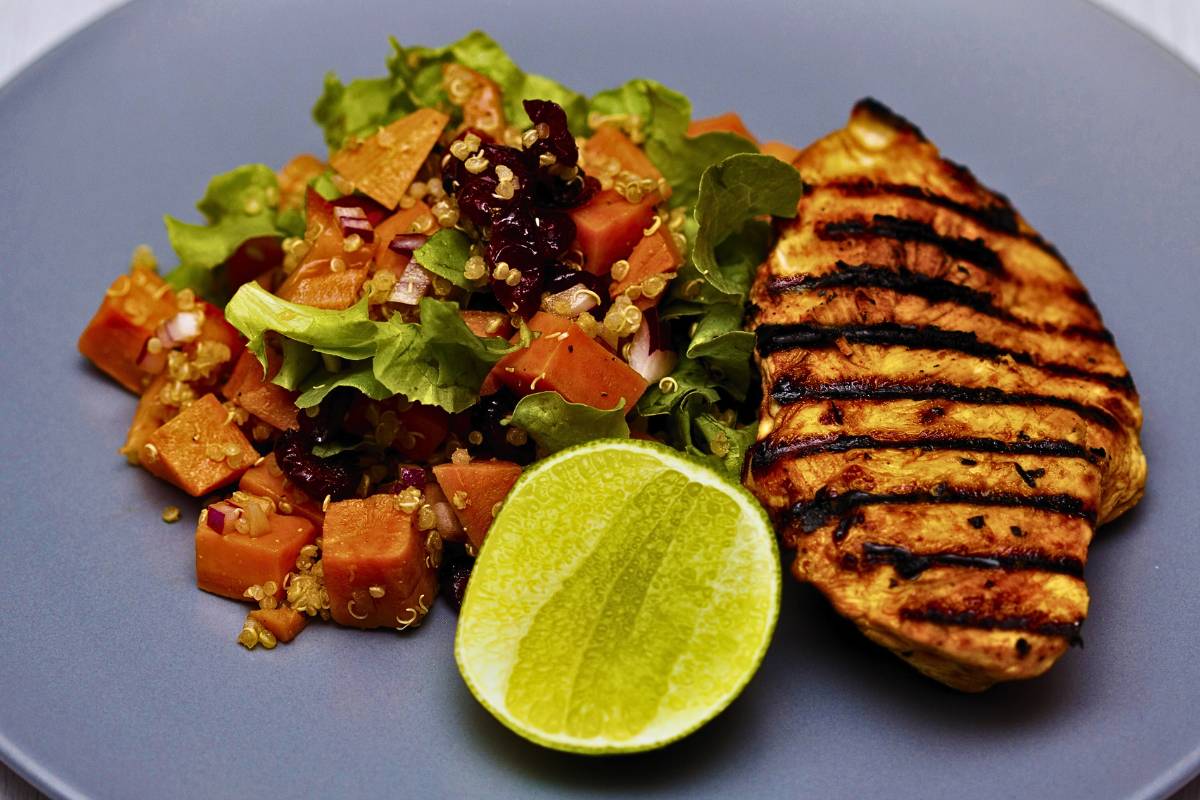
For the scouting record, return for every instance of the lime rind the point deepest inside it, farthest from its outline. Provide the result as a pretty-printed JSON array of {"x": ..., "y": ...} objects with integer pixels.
[{"x": 541, "y": 705}]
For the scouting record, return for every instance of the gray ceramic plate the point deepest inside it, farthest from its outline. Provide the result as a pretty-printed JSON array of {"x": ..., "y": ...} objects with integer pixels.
[{"x": 118, "y": 679}]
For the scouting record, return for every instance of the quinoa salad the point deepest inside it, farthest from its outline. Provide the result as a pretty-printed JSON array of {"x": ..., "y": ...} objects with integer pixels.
[{"x": 352, "y": 358}]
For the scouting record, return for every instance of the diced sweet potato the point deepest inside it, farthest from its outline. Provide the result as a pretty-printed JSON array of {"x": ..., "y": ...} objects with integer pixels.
[
  {"x": 475, "y": 489},
  {"x": 480, "y": 98},
  {"x": 329, "y": 276},
  {"x": 784, "y": 152},
  {"x": 133, "y": 308},
  {"x": 655, "y": 254},
  {"x": 285, "y": 623},
  {"x": 294, "y": 178},
  {"x": 380, "y": 571},
  {"x": 266, "y": 479},
  {"x": 248, "y": 388},
  {"x": 607, "y": 228},
  {"x": 566, "y": 360},
  {"x": 728, "y": 122},
  {"x": 229, "y": 564},
  {"x": 398, "y": 224},
  {"x": 384, "y": 164},
  {"x": 488, "y": 323},
  {"x": 151, "y": 414},
  {"x": 608, "y": 145},
  {"x": 199, "y": 450}
]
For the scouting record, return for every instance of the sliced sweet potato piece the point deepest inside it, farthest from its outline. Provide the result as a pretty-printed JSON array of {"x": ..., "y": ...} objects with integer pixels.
[
  {"x": 229, "y": 564},
  {"x": 133, "y": 308},
  {"x": 380, "y": 571},
  {"x": 252, "y": 391},
  {"x": 475, "y": 490},
  {"x": 151, "y": 414},
  {"x": 404, "y": 221},
  {"x": 607, "y": 228},
  {"x": 566, "y": 360},
  {"x": 480, "y": 98},
  {"x": 266, "y": 479},
  {"x": 609, "y": 151},
  {"x": 329, "y": 276},
  {"x": 729, "y": 122},
  {"x": 488, "y": 323},
  {"x": 285, "y": 623},
  {"x": 784, "y": 152},
  {"x": 384, "y": 164},
  {"x": 655, "y": 254},
  {"x": 199, "y": 450}
]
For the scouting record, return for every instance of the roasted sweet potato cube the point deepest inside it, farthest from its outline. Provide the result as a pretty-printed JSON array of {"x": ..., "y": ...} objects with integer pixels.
[
  {"x": 609, "y": 151},
  {"x": 252, "y": 391},
  {"x": 384, "y": 164},
  {"x": 380, "y": 571},
  {"x": 294, "y": 177},
  {"x": 133, "y": 308},
  {"x": 199, "y": 450},
  {"x": 329, "y": 276},
  {"x": 404, "y": 221},
  {"x": 488, "y": 323},
  {"x": 475, "y": 490},
  {"x": 607, "y": 228},
  {"x": 229, "y": 564},
  {"x": 566, "y": 360},
  {"x": 151, "y": 414},
  {"x": 655, "y": 254},
  {"x": 266, "y": 479},
  {"x": 285, "y": 623}
]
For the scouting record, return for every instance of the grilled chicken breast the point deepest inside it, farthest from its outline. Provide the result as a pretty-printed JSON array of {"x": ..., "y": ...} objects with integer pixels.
[{"x": 945, "y": 418}]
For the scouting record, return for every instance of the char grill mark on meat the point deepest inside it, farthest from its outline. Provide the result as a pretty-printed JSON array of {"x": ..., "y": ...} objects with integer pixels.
[{"x": 945, "y": 417}]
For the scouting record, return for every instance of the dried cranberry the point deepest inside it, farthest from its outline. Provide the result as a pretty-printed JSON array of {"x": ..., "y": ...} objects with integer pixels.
[
  {"x": 559, "y": 142},
  {"x": 487, "y": 417},
  {"x": 455, "y": 572},
  {"x": 329, "y": 419},
  {"x": 333, "y": 477}
]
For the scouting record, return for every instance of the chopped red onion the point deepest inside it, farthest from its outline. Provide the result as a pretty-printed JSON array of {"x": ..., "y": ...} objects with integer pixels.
[
  {"x": 152, "y": 363},
  {"x": 406, "y": 243},
  {"x": 652, "y": 364},
  {"x": 412, "y": 285},
  {"x": 570, "y": 302},
  {"x": 351, "y": 220},
  {"x": 221, "y": 516},
  {"x": 183, "y": 327}
]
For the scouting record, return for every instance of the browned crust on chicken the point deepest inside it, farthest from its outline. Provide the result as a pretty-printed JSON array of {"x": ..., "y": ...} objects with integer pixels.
[{"x": 945, "y": 418}]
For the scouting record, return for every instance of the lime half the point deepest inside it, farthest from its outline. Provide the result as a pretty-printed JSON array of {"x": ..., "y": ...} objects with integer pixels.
[{"x": 624, "y": 596}]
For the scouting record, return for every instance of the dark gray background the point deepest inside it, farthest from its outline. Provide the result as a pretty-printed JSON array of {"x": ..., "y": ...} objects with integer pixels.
[{"x": 117, "y": 679}]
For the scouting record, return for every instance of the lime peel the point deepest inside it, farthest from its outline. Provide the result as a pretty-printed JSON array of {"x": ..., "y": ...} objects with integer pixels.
[{"x": 625, "y": 595}]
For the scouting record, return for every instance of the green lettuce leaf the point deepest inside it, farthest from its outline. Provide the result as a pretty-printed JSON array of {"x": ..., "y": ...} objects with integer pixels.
[
  {"x": 445, "y": 255},
  {"x": 358, "y": 108},
  {"x": 437, "y": 361},
  {"x": 238, "y": 205},
  {"x": 555, "y": 424}
]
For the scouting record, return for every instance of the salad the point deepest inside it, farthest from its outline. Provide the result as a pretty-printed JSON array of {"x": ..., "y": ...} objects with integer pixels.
[{"x": 357, "y": 355}]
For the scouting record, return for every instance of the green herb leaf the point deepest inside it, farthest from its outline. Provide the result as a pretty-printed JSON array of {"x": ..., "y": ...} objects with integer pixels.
[
  {"x": 238, "y": 205},
  {"x": 555, "y": 424},
  {"x": 445, "y": 255},
  {"x": 733, "y": 193},
  {"x": 439, "y": 361}
]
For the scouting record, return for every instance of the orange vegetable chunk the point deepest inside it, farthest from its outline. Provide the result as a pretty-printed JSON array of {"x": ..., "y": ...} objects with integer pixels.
[
  {"x": 784, "y": 152},
  {"x": 383, "y": 165},
  {"x": 229, "y": 564},
  {"x": 488, "y": 323},
  {"x": 133, "y": 308},
  {"x": 294, "y": 177},
  {"x": 480, "y": 97},
  {"x": 608, "y": 227},
  {"x": 399, "y": 224},
  {"x": 248, "y": 388},
  {"x": 477, "y": 487},
  {"x": 151, "y": 414},
  {"x": 286, "y": 623},
  {"x": 266, "y": 479},
  {"x": 330, "y": 276},
  {"x": 184, "y": 450},
  {"x": 728, "y": 122},
  {"x": 607, "y": 145},
  {"x": 566, "y": 360},
  {"x": 380, "y": 571},
  {"x": 655, "y": 254}
]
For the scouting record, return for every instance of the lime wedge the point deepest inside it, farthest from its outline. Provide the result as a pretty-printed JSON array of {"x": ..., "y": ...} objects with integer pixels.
[{"x": 624, "y": 596}]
